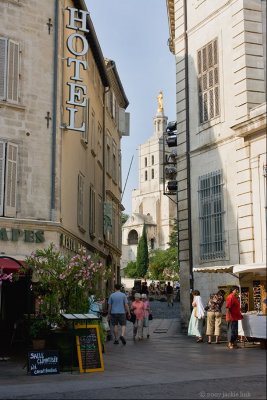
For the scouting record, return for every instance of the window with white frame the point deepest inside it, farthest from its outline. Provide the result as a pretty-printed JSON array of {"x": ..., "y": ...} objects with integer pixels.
[
  {"x": 9, "y": 70},
  {"x": 92, "y": 211},
  {"x": 208, "y": 81},
  {"x": 211, "y": 216},
  {"x": 80, "y": 202},
  {"x": 8, "y": 178}
]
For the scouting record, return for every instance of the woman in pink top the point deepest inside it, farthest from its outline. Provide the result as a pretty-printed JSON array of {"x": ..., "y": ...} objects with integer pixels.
[
  {"x": 138, "y": 308},
  {"x": 147, "y": 311}
]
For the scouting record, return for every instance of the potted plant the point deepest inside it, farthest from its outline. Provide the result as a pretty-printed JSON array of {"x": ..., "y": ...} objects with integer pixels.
[
  {"x": 39, "y": 330},
  {"x": 63, "y": 284}
]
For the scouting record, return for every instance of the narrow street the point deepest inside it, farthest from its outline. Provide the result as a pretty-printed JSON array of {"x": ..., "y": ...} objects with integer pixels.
[{"x": 168, "y": 365}]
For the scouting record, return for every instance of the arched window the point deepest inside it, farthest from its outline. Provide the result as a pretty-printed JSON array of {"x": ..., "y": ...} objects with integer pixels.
[
  {"x": 133, "y": 237},
  {"x": 145, "y": 161},
  {"x": 152, "y": 160},
  {"x": 152, "y": 173},
  {"x": 152, "y": 244},
  {"x": 145, "y": 175}
]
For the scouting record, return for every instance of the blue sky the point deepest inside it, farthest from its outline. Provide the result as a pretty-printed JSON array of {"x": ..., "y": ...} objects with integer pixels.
[{"x": 134, "y": 33}]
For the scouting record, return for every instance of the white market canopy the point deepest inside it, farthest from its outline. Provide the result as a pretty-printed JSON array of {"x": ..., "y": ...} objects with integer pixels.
[
  {"x": 215, "y": 269},
  {"x": 234, "y": 269},
  {"x": 256, "y": 268}
]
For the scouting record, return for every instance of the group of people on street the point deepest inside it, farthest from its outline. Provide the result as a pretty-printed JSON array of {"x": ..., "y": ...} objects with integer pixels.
[
  {"x": 139, "y": 310},
  {"x": 119, "y": 311},
  {"x": 158, "y": 291},
  {"x": 214, "y": 316}
]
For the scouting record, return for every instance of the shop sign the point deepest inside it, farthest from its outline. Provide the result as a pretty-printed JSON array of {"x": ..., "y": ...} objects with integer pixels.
[
  {"x": 15, "y": 234},
  {"x": 77, "y": 91}
]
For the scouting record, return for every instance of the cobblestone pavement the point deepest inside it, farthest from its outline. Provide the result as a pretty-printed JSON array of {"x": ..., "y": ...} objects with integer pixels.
[{"x": 161, "y": 310}]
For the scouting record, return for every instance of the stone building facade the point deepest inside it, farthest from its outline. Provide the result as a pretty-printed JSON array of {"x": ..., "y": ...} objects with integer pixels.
[
  {"x": 62, "y": 118},
  {"x": 220, "y": 52},
  {"x": 149, "y": 204}
]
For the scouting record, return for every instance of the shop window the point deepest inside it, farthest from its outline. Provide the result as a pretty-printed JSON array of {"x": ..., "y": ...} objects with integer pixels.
[{"x": 8, "y": 178}]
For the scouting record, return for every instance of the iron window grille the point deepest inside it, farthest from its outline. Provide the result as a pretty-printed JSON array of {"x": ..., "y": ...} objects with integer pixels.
[{"x": 211, "y": 216}]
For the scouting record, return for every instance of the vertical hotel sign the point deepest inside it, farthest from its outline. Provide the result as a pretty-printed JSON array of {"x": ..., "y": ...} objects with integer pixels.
[{"x": 77, "y": 91}]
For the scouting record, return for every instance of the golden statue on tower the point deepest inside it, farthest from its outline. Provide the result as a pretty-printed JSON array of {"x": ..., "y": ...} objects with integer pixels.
[{"x": 160, "y": 102}]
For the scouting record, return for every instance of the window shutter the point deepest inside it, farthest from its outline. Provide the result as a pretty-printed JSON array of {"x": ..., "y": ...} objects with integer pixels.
[
  {"x": 3, "y": 62},
  {"x": 13, "y": 72},
  {"x": 92, "y": 211},
  {"x": 11, "y": 180},
  {"x": 80, "y": 202},
  {"x": 86, "y": 117},
  {"x": 2, "y": 176}
]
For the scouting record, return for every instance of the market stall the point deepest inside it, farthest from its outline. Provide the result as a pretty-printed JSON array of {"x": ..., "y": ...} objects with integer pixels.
[
  {"x": 253, "y": 325},
  {"x": 252, "y": 280}
]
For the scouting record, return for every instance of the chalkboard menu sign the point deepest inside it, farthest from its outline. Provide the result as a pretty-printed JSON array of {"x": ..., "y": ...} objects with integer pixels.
[
  {"x": 89, "y": 348},
  {"x": 43, "y": 362}
]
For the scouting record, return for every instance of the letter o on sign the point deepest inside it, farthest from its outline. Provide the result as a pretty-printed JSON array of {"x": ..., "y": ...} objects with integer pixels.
[{"x": 70, "y": 44}]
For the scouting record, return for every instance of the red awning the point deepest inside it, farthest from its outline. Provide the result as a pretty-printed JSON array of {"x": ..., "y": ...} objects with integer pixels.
[{"x": 9, "y": 265}]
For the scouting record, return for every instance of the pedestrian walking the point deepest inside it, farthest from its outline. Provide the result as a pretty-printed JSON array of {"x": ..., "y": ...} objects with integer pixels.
[
  {"x": 233, "y": 315},
  {"x": 144, "y": 288},
  {"x": 146, "y": 314},
  {"x": 169, "y": 294},
  {"x": 214, "y": 315},
  {"x": 117, "y": 309},
  {"x": 139, "y": 311},
  {"x": 195, "y": 327}
]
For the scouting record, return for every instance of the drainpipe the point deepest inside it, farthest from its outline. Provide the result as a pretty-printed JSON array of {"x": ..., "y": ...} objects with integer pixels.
[
  {"x": 188, "y": 149},
  {"x": 106, "y": 90},
  {"x": 54, "y": 114}
]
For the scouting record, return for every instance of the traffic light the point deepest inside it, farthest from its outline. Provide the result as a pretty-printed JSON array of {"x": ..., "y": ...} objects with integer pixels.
[
  {"x": 171, "y": 134},
  {"x": 170, "y": 159}
]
